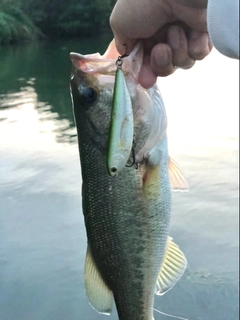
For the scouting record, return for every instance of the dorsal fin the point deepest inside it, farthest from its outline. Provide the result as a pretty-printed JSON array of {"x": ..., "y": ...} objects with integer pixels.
[{"x": 177, "y": 179}]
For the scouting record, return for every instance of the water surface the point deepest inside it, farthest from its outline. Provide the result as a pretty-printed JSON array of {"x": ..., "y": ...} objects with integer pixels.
[{"x": 42, "y": 235}]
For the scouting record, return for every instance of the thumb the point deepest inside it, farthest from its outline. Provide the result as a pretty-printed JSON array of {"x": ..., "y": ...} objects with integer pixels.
[{"x": 120, "y": 20}]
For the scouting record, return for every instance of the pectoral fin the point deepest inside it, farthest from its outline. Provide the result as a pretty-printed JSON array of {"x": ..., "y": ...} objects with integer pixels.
[
  {"x": 172, "y": 268},
  {"x": 176, "y": 176},
  {"x": 99, "y": 295}
]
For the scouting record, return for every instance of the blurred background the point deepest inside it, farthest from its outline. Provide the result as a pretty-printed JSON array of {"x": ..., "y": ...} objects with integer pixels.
[
  {"x": 22, "y": 20},
  {"x": 42, "y": 234}
]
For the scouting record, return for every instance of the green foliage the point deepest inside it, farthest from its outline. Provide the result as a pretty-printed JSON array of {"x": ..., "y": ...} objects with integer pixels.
[
  {"x": 21, "y": 19},
  {"x": 14, "y": 24},
  {"x": 84, "y": 18},
  {"x": 70, "y": 18}
]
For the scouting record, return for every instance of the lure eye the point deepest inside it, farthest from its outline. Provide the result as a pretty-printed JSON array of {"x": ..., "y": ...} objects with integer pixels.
[
  {"x": 113, "y": 171},
  {"x": 88, "y": 95}
]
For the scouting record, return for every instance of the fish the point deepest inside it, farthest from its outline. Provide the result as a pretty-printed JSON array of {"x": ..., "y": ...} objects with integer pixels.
[{"x": 130, "y": 255}]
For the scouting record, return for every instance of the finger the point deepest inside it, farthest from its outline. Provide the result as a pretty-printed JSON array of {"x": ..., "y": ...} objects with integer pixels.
[
  {"x": 124, "y": 45},
  {"x": 177, "y": 40},
  {"x": 122, "y": 40},
  {"x": 199, "y": 45},
  {"x": 146, "y": 76},
  {"x": 161, "y": 60}
]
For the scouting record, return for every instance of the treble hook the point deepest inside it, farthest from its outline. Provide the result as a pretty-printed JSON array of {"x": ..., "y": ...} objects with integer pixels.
[
  {"x": 134, "y": 163},
  {"x": 119, "y": 59}
]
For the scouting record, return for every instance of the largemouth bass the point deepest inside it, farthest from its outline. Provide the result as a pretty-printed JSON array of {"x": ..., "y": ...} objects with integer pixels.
[{"x": 130, "y": 256}]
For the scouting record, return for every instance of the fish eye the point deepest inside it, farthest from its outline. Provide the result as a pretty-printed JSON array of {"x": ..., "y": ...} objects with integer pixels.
[{"x": 88, "y": 95}]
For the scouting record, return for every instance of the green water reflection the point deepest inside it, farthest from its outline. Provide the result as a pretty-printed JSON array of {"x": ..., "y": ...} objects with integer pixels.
[{"x": 46, "y": 67}]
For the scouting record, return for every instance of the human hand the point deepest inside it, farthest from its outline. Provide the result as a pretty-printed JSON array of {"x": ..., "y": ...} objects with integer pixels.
[{"x": 174, "y": 34}]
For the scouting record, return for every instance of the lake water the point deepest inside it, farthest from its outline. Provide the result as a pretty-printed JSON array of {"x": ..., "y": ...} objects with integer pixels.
[{"x": 42, "y": 235}]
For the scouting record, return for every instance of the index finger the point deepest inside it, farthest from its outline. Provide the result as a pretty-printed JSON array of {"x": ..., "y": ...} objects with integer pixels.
[{"x": 122, "y": 41}]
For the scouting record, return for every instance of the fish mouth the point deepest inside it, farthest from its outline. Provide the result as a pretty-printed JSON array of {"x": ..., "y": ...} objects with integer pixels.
[{"x": 93, "y": 64}]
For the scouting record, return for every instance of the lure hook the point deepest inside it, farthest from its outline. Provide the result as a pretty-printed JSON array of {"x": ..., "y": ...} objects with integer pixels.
[
  {"x": 119, "y": 59},
  {"x": 134, "y": 163}
]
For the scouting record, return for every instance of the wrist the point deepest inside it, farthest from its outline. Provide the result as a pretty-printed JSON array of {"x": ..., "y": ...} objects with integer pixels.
[{"x": 189, "y": 12}]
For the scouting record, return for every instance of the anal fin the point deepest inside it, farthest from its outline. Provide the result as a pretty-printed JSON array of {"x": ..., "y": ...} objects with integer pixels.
[
  {"x": 98, "y": 293},
  {"x": 172, "y": 268}
]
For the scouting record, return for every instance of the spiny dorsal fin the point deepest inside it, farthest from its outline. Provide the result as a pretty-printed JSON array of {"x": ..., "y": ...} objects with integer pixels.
[
  {"x": 172, "y": 268},
  {"x": 99, "y": 295},
  {"x": 177, "y": 180}
]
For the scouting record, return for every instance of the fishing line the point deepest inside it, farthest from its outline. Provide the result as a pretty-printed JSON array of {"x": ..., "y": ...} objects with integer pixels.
[{"x": 169, "y": 315}]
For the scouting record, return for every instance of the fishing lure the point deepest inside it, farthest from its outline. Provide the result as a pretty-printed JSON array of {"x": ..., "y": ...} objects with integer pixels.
[{"x": 121, "y": 125}]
